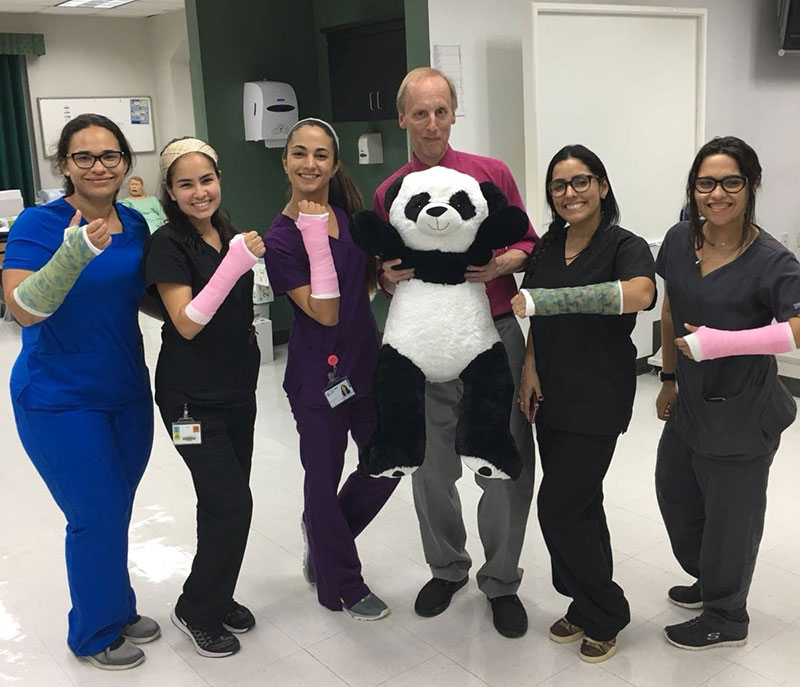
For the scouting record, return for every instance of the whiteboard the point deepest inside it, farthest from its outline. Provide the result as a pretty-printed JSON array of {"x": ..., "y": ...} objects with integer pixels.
[
  {"x": 628, "y": 83},
  {"x": 134, "y": 115}
]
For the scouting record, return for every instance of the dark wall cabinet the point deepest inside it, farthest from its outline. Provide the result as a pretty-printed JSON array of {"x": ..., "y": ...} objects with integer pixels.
[{"x": 366, "y": 62}]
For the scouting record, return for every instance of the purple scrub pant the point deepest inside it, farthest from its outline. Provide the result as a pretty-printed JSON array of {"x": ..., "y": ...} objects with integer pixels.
[{"x": 333, "y": 520}]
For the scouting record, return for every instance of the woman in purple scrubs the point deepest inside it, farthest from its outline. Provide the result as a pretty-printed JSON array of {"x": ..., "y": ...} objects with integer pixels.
[{"x": 333, "y": 342}]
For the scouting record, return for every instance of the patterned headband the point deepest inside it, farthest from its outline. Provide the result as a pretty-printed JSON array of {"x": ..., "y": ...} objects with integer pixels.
[{"x": 181, "y": 147}]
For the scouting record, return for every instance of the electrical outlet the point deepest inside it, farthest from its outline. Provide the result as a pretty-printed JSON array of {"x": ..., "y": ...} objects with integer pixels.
[{"x": 785, "y": 239}]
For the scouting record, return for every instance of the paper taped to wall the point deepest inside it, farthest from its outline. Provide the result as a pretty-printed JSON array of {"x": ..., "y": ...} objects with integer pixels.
[{"x": 447, "y": 59}]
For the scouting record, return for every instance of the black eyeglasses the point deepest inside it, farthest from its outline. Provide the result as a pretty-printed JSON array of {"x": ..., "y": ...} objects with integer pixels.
[
  {"x": 579, "y": 183},
  {"x": 108, "y": 158},
  {"x": 731, "y": 184}
]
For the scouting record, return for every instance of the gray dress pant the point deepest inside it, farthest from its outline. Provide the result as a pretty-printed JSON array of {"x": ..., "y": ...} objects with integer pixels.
[
  {"x": 504, "y": 505},
  {"x": 713, "y": 509}
]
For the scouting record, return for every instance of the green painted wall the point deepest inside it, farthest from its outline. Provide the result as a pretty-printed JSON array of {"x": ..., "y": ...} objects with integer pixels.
[
  {"x": 242, "y": 41},
  {"x": 239, "y": 41}
]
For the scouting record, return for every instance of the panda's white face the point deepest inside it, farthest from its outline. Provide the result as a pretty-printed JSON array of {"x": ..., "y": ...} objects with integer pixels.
[{"x": 438, "y": 209}]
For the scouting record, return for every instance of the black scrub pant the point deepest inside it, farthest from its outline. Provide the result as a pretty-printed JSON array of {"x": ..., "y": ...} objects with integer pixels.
[
  {"x": 573, "y": 522},
  {"x": 713, "y": 509},
  {"x": 220, "y": 468}
]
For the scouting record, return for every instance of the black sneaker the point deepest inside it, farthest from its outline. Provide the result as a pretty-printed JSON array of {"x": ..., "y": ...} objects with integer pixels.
[
  {"x": 211, "y": 643},
  {"x": 695, "y": 635},
  {"x": 238, "y": 619},
  {"x": 686, "y": 596},
  {"x": 509, "y": 616},
  {"x": 435, "y": 596}
]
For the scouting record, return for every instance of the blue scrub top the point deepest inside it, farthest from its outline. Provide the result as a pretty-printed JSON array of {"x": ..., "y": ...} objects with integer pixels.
[{"x": 89, "y": 352}]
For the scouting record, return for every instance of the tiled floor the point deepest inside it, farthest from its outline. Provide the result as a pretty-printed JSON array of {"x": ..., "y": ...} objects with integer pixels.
[{"x": 297, "y": 642}]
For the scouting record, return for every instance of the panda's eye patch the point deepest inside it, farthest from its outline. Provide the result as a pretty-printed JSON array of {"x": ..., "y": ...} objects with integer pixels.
[
  {"x": 461, "y": 202},
  {"x": 415, "y": 204}
]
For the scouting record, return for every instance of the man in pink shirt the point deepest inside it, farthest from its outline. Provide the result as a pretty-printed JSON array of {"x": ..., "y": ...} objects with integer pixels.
[{"x": 426, "y": 104}]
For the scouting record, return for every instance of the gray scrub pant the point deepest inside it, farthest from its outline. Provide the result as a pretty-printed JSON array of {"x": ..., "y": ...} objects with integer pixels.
[
  {"x": 504, "y": 505},
  {"x": 713, "y": 509}
]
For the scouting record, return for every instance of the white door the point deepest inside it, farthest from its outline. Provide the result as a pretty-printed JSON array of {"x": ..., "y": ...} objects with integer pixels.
[{"x": 628, "y": 83}]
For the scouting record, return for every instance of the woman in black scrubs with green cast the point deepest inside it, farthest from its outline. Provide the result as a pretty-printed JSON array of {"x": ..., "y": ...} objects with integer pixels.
[
  {"x": 586, "y": 280},
  {"x": 727, "y": 408}
]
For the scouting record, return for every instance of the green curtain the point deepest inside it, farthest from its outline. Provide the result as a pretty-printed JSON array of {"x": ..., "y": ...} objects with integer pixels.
[
  {"x": 16, "y": 168},
  {"x": 21, "y": 44}
]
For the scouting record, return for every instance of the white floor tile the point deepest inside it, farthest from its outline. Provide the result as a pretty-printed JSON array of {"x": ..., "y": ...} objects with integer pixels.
[
  {"x": 372, "y": 652},
  {"x": 298, "y": 670},
  {"x": 438, "y": 672},
  {"x": 298, "y": 643},
  {"x": 777, "y": 659}
]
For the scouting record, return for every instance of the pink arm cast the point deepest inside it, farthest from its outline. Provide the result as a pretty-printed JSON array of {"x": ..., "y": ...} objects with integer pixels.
[
  {"x": 707, "y": 343},
  {"x": 314, "y": 230},
  {"x": 235, "y": 263}
]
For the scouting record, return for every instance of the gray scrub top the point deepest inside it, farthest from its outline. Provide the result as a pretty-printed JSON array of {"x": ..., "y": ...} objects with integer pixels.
[{"x": 735, "y": 406}]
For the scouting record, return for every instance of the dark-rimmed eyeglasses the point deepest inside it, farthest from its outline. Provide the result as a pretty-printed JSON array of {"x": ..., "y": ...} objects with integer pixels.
[
  {"x": 732, "y": 183},
  {"x": 579, "y": 183},
  {"x": 86, "y": 160}
]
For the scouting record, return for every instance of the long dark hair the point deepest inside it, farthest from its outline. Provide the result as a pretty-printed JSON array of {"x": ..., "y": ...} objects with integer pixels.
[
  {"x": 749, "y": 168},
  {"x": 342, "y": 190},
  {"x": 81, "y": 122},
  {"x": 609, "y": 210},
  {"x": 178, "y": 220}
]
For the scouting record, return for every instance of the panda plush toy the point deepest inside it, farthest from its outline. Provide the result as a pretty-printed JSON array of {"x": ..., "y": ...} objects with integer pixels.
[{"x": 439, "y": 327}]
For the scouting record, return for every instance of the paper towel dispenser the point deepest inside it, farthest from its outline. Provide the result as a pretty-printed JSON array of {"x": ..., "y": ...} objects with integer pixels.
[{"x": 270, "y": 111}]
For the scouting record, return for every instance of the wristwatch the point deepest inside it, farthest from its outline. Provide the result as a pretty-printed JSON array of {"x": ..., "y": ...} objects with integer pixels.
[{"x": 667, "y": 376}]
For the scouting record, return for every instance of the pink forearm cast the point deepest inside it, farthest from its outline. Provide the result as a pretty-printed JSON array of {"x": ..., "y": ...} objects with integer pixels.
[
  {"x": 314, "y": 230},
  {"x": 235, "y": 263},
  {"x": 707, "y": 343}
]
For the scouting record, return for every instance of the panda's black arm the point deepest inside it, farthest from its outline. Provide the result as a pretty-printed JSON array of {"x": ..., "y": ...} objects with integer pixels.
[
  {"x": 501, "y": 228},
  {"x": 376, "y": 236}
]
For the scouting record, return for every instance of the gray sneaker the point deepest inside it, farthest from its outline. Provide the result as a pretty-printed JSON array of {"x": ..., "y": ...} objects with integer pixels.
[
  {"x": 121, "y": 655},
  {"x": 142, "y": 630},
  {"x": 308, "y": 565},
  {"x": 369, "y": 608}
]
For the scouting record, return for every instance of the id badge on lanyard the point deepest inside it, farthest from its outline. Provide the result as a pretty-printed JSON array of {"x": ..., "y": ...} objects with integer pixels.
[
  {"x": 338, "y": 389},
  {"x": 186, "y": 430}
]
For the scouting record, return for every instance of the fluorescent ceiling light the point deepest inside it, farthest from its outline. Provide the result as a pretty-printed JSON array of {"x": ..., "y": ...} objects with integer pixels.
[{"x": 98, "y": 4}]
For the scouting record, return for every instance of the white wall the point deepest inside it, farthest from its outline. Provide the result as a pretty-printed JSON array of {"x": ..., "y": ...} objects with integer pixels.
[
  {"x": 169, "y": 51},
  {"x": 90, "y": 56},
  {"x": 751, "y": 92}
]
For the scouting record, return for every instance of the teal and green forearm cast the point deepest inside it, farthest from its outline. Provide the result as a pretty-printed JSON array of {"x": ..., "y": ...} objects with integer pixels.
[
  {"x": 594, "y": 299},
  {"x": 42, "y": 292}
]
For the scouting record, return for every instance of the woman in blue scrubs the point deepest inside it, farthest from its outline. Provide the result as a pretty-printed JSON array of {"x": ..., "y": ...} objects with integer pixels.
[{"x": 79, "y": 388}]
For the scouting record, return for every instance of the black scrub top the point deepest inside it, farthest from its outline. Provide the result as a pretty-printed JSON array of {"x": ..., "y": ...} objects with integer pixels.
[
  {"x": 220, "y": 365},
  {"x": 735, "y": 406},
  {"x": 587, "y": 363}
]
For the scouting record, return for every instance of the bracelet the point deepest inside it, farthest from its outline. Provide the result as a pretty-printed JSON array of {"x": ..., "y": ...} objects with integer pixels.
[{"x": 667, "y": 376}]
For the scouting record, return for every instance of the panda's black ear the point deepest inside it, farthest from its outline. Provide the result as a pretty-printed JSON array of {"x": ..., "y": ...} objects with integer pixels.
[
  {"x": 494, "y": 196},
  {"x": 391, "y": 192}
]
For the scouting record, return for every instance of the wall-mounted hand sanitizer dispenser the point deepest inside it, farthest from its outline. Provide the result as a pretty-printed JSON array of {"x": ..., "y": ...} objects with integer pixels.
[
  {"x": 370, "y": 149},
  {"x": 270, "y": 111}
]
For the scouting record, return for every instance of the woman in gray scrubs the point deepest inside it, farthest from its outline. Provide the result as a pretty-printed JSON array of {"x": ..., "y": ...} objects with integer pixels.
[{"x": 725, "y": 412}]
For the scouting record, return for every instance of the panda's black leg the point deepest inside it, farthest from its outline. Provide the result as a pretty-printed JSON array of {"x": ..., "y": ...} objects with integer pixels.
[
  {"x": 398, "y": 446},
  {"x": 483, "y": 437}
]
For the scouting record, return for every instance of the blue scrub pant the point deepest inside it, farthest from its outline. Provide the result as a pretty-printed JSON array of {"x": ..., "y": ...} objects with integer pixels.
[{"x": 91, "y": 461}]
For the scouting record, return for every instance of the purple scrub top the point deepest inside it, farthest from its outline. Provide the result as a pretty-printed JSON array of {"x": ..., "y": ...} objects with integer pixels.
[{"x": 355, "y": 339}]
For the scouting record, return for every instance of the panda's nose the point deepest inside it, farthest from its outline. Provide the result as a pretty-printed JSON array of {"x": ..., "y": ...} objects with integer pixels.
[{"x": 437, "y": 211}]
